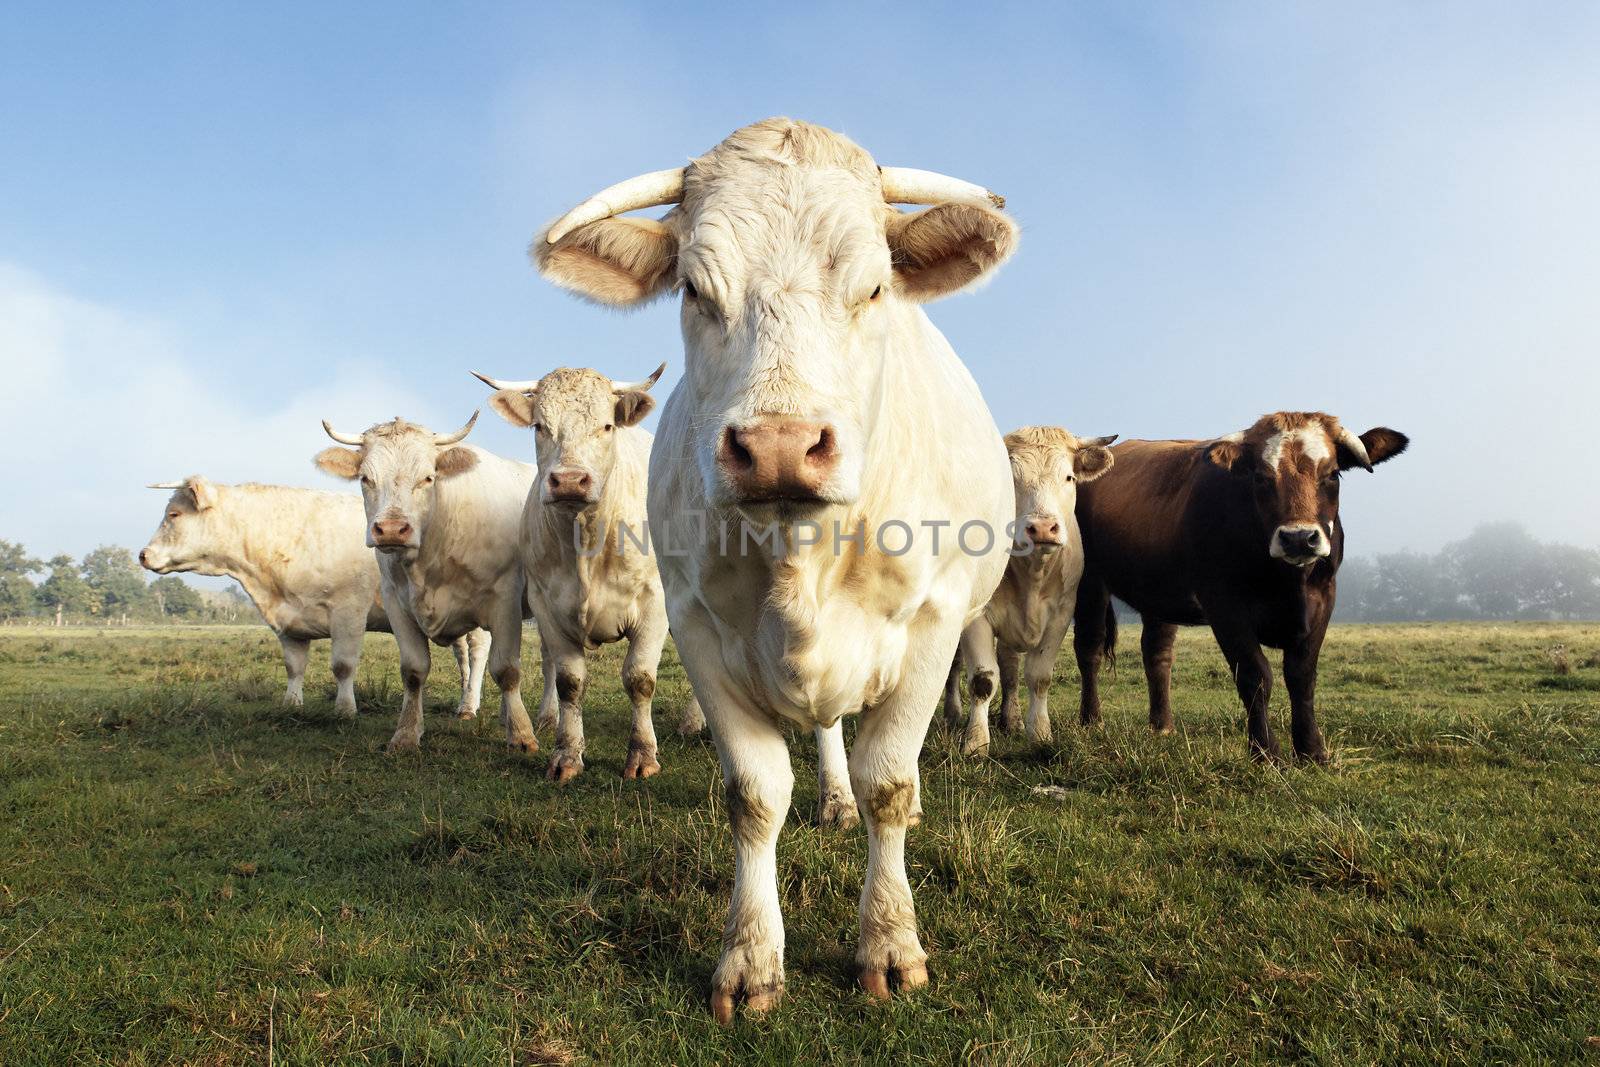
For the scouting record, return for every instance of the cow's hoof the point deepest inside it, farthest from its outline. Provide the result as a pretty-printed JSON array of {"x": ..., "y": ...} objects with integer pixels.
[
  {"x": 294, "y": 700},
  {"x": 1041, "y": 736},
  {"x": 1010, "y": 724},
  {"x": 1266, "y": 753},
  {"x": 976, "y": 745},
  {"x": 641, "y": 764},
  {"x": 837, "y": 812},
  {"x": 398, "y": 745},
  {"x": 564, "y": 766},
  {"x": 758, "y": 1001},
  {"x": 345, "y": 712},
  {"x": 523, "y": 744},
  {"x": 1317, "y": 757},
  {"x": 1162, "y": 729},
  {"x": 875, "y": 984},
  {"x": 466, "y": 713},
  {"x": 545, "y": 722}
]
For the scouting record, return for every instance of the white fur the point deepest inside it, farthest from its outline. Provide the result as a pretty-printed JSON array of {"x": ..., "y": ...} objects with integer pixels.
[{"x": 1313, "y": 442}]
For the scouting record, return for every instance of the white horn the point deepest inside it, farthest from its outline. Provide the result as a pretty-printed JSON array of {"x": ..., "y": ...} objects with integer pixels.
[
  {"x": 647, "y": 190},
  {"x": 1356, "y": 447},
  {"x": 1101, "y": 442},
  {"x": 907, "y": 185},
  {"x": 166, "y": 485},
  {"x": 342, "y": 438},
  {"x": 452, "y": 438},
  {"x": 628, "y": 387},
  {"x": 530, "y": 386}
]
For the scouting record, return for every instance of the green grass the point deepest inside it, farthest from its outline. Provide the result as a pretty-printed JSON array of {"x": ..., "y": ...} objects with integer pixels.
[{"x": 190, "y": 872}]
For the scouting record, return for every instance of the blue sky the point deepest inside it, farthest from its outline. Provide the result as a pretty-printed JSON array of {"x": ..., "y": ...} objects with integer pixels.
[{"x": 221, "y": 223}]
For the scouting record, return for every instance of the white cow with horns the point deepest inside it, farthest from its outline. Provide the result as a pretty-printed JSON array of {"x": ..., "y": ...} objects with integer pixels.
[
  {"x": 820, "y": 487},
  {"x": 301, "y": 559},
  {"x": 443, "y": 517}
]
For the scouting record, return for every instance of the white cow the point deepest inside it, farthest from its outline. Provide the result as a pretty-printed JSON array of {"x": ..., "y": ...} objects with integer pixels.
[
  {"x": 820, "y": 407},
  {"x": 443, "y": 517},
  {"x": 585, "y": 551},
  {"x": 304, "y": 565},
  {"x": 1030, "y": 611}
]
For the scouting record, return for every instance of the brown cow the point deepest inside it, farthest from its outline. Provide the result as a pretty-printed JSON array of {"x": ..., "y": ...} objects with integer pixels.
[{"x": 1240, "y": 533}]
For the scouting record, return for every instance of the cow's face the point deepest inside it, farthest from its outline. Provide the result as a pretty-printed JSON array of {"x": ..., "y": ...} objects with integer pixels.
[
  {"x": 186, "y": 538},
  {"x": 1293, "y": 461},
  {"x": 1047, "y": 463},
  {"x": 574, "y": 415},
  {"x": 399, "y": 466},
  {"x": 793, "y": 274}
]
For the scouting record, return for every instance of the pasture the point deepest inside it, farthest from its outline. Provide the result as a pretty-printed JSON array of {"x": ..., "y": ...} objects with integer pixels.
[{"x": 190, "y": 872}]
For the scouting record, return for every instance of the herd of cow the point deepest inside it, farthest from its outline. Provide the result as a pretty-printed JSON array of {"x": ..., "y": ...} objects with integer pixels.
[{"x": 827, "y": 519}]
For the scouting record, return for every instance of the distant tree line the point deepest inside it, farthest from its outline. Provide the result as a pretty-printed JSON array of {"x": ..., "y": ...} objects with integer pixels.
[{"x": 106, "y": 586}]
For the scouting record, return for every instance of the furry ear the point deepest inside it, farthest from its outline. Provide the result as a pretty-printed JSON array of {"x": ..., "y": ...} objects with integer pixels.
[
  {"x": 1383, "y": 443},
  {"x": 453, "y": 461},
  {"x": 1225, "y": 453},
  {"x": 340, "y": 462},
  {"x": 205, "y": 494},
  {"x": 947, "y": 247},
  {"x": 513, "y": 405},
  {"x": 633, "y": 406},
  {"x": 619, "y": 262},
  {"x": 1090, "y": 463}
]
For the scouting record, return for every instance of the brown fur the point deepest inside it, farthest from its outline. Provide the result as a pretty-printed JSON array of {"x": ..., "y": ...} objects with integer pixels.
[
  {"x": 946, "y": 247},
  {"x": 339, "y": 461},
  {"x": 455, "y": 461},
  {"x": 891, "y": 803},
  {"x": 618, "y": 262},
  {"x": 748, "y": 815}
]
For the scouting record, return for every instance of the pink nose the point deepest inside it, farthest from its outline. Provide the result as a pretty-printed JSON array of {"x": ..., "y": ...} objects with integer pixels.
[
  {"x": 569, "y": 485},
  {"x": 391, "y": 532},
  {"x": 778, "y": 459},
  {"x": 1044, "y": 531}
]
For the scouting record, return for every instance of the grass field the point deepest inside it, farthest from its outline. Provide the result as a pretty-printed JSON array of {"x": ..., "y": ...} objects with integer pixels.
[{"x": 190, "y": 872}]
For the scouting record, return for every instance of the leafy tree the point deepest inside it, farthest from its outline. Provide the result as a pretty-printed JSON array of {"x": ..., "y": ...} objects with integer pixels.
[
  {"x": 174, "y": 596},
  {"x": 114, "y": 575},
  {"x": 17, "y": 595},
  {"x": 65, "y": 588}
]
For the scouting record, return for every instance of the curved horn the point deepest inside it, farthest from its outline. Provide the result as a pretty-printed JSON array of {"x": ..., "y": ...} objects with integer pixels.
[
  {"x": 628, "y": 387},
  {"x": 647, "y": 190},
  {"x": 1355, "y": 445},
  {"x": 530, "y": 386},
  {"x": 1100, "y": 442},
  {"x": 342, "y": 438},
  {"x": 907, "y": 185},
  {"x": 166, "y": 485},
  {"x": 452, "y": 438}
]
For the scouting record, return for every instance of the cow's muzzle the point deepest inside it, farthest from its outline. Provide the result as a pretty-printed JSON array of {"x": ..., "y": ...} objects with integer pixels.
[
  {"x": 392, "y": 534},
  {"x": 777, "y": 460},
  {"x": 569, "y": 485},
  {"x": 1300, "y": 544},
  {"x": 1044, "y": 532}
]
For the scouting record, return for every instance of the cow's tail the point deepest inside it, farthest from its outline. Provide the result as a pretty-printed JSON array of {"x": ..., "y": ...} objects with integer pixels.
[{"x": 1108, "y": 642}]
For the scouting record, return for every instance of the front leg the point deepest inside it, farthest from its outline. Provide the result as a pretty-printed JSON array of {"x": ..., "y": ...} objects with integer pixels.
[
  {"x": 954, "y": 713},
  {"x": 1300, "y": 678},
  {"x": 1010, "y": 660},
  {"x": 549, "y": 703},
  {"x": 1041, "y": 672},
  {"x": 639, "y": 668},
  {"x": 977, "y": 652},
  {"x": 296, "y": 651},
  {"x": 416, "y": 659},
  {"x": 836, "y": 803},
  {"x": 505, "y": 666},
  {"x": 348, "y": 634},
  {"x": 472, "y": 654},
  {"x": 567, "y": 663},
  {"x": 693, "y": 719},
  {"x": 1252, "y": 677}
]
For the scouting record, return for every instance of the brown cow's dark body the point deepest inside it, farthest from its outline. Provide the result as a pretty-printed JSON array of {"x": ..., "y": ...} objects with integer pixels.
[{"x": 1180, "y": 531}]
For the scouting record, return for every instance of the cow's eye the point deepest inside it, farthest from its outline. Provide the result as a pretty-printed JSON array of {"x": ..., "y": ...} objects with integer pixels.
[
  {"x": 876, "y": 292},
  {"x": 172, "y": 514},
  {"x": 366, "y": 483},
  {"x": 538, "y": 427},
  {"x": 689, "y": 290},
  {"x": 1331, "y": 481},
  {"x": 609, "y": 427},
  {"x": 426, "y": 481}
]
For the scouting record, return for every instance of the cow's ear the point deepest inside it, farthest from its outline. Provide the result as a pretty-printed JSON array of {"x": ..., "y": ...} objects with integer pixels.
[
  {"x": 1383, "y": 443},
  {"x": 619, "y": 262},
  {"x": 1225, "y": 453},
  {"x": 633, "y": 406},
  {"x": 1090, "y": 463},
  {"x": 515, "y": 406},
  {"x": 453, "y": 461},
  {"x": 204, "y": 493},
  {"x": 340, "y": 462},
  {"x": 947, "y": 247}
]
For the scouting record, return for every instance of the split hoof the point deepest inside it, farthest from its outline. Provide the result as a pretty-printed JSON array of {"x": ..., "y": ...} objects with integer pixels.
[
  {"x": 466, "y": 713},
  {"x": 875, "y": 984},
  {"x": 976, "y": 746},
  {"x": 838, "y": 813},
  {"x": 564, "y": 767},
  {"x": 641, "y": 764},
  {"x": 522, "y": 744},
  {"x": 725, "y": 1002},
  {"x": 398, "y": 745}
]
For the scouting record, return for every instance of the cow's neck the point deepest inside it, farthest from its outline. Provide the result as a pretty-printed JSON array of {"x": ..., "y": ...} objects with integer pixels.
[{"x": 242, "y": 558}]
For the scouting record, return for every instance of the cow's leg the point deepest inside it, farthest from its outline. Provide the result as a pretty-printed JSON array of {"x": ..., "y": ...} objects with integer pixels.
[
  {"x": 883, "y": 769},
  {"x": 1300, "y": 678},
  {"x": 759, "y": 782},
  {"x": 1010, "y": 660},
  {"x": 977, "y": 651},
  {"x": 296, "y": 651},
  {"x": 836, "y": 804},
  {"x": 472, "y": 656},
  {"x": 694, "y": 718},
  {"x": 550, "y": 702},
  {"x": 639, "y": 668},
  {"x": 1040, "y": 673},
  {"x": 1089, "y": 631},
  {"x": 1156, "y": 644},
  {"x": 953, "y": 711},
  {"x": 505, "y": 667},
  {"x": 566, "y": 759},
  {"x": 346, "y": 653},
  {"x": 1252, "y": 677},
  {"x": 416, "y": 660}
]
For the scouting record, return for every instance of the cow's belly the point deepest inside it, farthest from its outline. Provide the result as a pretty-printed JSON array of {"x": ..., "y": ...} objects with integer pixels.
[
  {"x": 446, "y": 613},
  {"x": 1022, "y": 624}
]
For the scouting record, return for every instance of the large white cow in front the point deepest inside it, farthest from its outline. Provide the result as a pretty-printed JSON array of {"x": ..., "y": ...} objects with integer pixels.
[
  {"x": 443, "y": 517},
  {"x": 301, "y": 559},
  {"x": 819, "y": 402}
]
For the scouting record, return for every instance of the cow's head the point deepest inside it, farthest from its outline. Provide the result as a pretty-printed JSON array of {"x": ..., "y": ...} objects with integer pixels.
[
  {"x": 1293, "y": 460},
  {"x": 793, "y": 272},
  {"x": 574, "y": 415},
  {"x": 399, "y": 465},
  {"x": 1047, "y": 463},
  {"x": 184, "y": 540}
]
